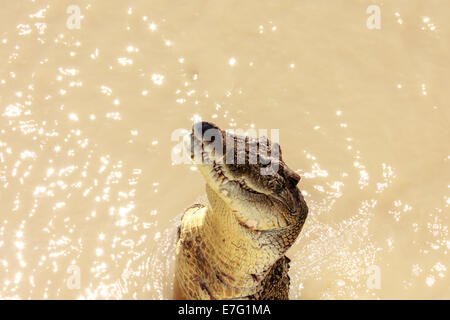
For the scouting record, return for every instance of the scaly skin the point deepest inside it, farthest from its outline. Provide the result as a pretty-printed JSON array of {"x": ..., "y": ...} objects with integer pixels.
[{"x": 234, "y": 247}]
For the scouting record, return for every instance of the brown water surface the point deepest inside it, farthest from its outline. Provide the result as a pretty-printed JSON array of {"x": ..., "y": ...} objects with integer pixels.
[{"x": 86, "y": 115}]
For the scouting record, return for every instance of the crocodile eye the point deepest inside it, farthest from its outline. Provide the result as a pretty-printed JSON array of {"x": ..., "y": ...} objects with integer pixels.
[
  {"x": 294, "y": 179},
  {"x": 291, "y": 176}
]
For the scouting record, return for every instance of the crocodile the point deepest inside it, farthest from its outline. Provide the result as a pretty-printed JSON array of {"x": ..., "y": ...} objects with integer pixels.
[{"x": 233, "y": 247}]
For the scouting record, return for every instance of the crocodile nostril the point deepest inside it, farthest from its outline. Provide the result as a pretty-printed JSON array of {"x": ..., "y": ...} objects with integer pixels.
[
  {"x": 199, "y": 128},
  {"x": 208, "y": 126},
  {"x": 206, "y": 131}
]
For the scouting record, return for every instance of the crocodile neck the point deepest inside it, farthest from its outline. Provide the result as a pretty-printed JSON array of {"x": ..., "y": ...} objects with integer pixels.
[{"x": 245, "y": 254}]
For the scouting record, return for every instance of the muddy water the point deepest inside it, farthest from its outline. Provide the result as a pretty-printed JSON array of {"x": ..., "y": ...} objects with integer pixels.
[{"x": 89, "y": 196}]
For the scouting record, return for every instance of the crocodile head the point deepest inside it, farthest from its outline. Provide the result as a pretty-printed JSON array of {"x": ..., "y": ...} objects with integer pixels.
[{"x": 248, "y": 175}]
